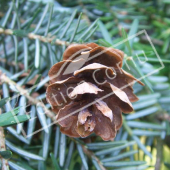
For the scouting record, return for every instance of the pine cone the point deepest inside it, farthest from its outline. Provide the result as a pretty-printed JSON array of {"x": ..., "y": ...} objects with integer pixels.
[{"x": 89, "y": 91}]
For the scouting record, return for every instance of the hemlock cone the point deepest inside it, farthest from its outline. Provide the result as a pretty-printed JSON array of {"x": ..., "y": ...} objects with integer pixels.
[{"x": 89, "y": 90}]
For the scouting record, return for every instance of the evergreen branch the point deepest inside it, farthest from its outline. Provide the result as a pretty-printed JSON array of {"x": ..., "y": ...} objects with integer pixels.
[
  {"x": 24, "y": 92},
  {"x": 29, "y": 22},
  {"x": 4, "y": 162},
  {"x": 33, "y": 36},
  {"x": 50, "y": 114},
  {"x": 92, "y": 156}
]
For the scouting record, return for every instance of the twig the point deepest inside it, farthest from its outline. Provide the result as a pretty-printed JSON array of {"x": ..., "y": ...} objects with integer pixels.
[
  {"x": 4, "y": 165},
  {"x": 164, "y": 116},
  {"x": 13, "y": 63},
  {"x": 50, "y": 114},
  {"x": 24, "y": 92},
  {"x": 155, "y": 41},
  {"x": 159, "y": 154},
  {"x": 91, "y": 155},
  {"x": 35, "y": 36}
]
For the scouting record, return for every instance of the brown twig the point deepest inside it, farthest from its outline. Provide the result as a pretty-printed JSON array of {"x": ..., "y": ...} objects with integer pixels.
[
  {"x": 24, "y": 92},
  {"x": 164, "y": 116},
  {"x": 47, "y": 39},
  {"x": 91, "y": 155},
  {"x": 13, "y": 63},
  {"x": 4, "y": 162},
  {"x": 50, "y": 114},
  {"x": 155, "y": 41}
]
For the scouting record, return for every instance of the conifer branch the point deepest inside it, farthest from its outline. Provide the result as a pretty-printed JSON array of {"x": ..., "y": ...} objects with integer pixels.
[
  {"x": 44, "y": 39},
  {"x": 91, "y": 155},
  {"x": 24, "y": 92},
  {"x": 50, "y": 114},
  {"x": 4, "y": 162}
]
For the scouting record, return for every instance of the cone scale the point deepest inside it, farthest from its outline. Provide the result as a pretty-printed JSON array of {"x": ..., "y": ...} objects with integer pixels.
[{"x": 89, "y": 90}]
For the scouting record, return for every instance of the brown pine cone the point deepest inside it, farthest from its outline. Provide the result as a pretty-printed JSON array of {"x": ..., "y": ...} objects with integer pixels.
[{"x": 89, "y": 91}]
